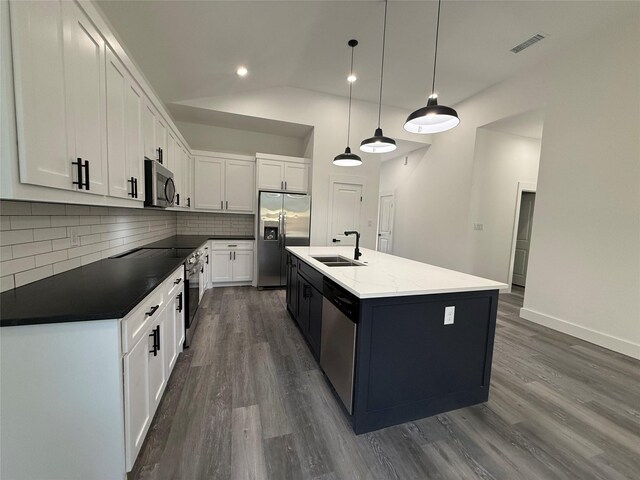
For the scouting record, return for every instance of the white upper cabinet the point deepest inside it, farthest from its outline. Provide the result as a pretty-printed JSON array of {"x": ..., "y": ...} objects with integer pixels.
[
  {"x": 239, "y": 181},
  {"x": 59, "y": 68},
  {"x": 86, "y": 97},
  {"x": 296, "y": 177},
  {"x": 124, "y": 132},
  {"x": 224, "y": 184},
  {"x": 149, "y": 120},
  {"x": 38, "y": 65},
  {"x": 270, "y": 175},
  {"x": 287, "y": 174},
  {"x": 209, "y": 183}
]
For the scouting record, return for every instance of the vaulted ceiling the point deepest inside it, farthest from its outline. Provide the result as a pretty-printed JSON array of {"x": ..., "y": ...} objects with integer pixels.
[{"x": 191, "y": 49}]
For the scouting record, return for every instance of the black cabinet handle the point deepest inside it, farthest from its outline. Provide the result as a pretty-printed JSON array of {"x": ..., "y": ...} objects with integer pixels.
[
  {"x": 306, "y": 291},
  {"x": 152, "y": 311},
  {"x": 335, "y": 240},
  {"x": 158, "y": 329},
  {"x": 160, "y": 155},
  {"x": 177, "y": 199},
  {"x": 132, "y": 180},
  {"x": 155, "y": 347},
  {"x": 188, "y": 201},
  {"x": 227, "y": 205},
  {"x": 78, "y": 164},
  {"x": 179, "y": 297},
  {"x": 135, "y": 184},
  {"x": 177, "y": 281},
  {"x": 86, "y": 174},
  {"x": 207, "y": 259}
]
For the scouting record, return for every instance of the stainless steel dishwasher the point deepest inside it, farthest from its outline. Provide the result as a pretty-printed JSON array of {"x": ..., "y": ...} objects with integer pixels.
[{"x": 340, "y": 310}]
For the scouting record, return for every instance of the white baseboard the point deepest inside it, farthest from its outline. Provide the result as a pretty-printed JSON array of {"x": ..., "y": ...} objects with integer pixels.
[{"x": 616, "y": 344}]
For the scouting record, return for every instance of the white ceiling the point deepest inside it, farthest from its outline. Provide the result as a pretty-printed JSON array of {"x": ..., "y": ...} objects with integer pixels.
[
  {"x": 527, "y": 124},
  {"x": 191, "y": 49}
]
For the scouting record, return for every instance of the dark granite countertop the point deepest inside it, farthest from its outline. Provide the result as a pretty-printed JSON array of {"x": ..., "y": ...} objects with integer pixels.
[{"x": 106, "y": 289}]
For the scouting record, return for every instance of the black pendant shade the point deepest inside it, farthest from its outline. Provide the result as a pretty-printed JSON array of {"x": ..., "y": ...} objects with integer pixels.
[
  {"x": 433, "y": 118},
  {"x": 348, "y": 159},
  {"x": 379, "y": 143}
]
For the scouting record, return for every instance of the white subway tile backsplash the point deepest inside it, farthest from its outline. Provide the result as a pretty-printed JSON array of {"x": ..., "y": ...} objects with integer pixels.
[
  {"x": 51, "y": 257},
  {"x": 29, "y": 221},
  {"x": 17, "y": 265},
  {"x": 34, "y": 248},
  {"x": 47, "y": 209},
  {"x": 7, "y": 283},
  {"x": 35, "y": 237},
  {"x": 66, "y": 265},
  {"x": 15, "y": 208},
  {"x": 49, "y": 233},
  {"x": 34, "y": 275}
]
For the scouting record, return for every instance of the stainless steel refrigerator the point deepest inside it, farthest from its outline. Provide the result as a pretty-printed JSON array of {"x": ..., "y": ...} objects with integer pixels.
[{"x": 284, "y": 221}]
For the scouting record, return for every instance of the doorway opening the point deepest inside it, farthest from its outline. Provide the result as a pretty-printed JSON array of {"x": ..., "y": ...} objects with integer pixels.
[{"x": 522, "y": 237}]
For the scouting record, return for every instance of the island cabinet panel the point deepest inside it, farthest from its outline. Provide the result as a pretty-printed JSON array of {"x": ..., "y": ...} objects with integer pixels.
[
  {"x": 410, "y": 364},
  {"x": 292, "y": 285}
]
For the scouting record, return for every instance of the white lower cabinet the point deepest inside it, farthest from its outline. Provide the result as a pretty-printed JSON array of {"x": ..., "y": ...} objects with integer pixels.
[
  {"x": 156, "y": 327},
  {"x": 231, "y": 261}
]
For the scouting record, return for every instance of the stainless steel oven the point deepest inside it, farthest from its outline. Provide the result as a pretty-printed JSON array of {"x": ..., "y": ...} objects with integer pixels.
[
  {"x": 160, "y": 189},
  {"x": 192, "y": 291}
]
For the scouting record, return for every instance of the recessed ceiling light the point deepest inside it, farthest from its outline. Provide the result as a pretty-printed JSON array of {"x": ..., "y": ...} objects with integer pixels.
[
  {"x": 351, "y": 78},
  {"x": 242, "y": 71}
]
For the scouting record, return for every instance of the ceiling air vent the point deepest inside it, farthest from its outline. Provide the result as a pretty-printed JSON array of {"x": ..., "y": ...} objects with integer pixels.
[{"x": 527, "y": 43}]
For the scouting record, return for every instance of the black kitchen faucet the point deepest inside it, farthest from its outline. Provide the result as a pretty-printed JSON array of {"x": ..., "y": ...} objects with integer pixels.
[{"x": 356, "y": 254}]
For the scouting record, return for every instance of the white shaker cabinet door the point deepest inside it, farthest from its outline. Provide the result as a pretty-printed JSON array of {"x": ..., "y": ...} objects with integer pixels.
[
  {"x": 149, "y": 131},
  {"x": 136, "y": 398},
  {"x": 209, "y": 183},
  {"x": 124, "y": 132},
  {"x": 86, "y": 96},
  {"x": 270, "y": 175},
  {"x": 296, "y": 177},
  {"x": 243, "y": 265},
  {"x": 170, "y": 332},
  {"x": 39, "y": 77},
  {"x": 221, "y": 266},
  {"x": 157, "y": 368},
  {"x": 240, "y": 186}
]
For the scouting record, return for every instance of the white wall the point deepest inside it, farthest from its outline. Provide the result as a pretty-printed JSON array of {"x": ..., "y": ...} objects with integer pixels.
[
  {"x": 501, "y": 161},
  {"x": 244, "y": 142},
  {"x": 584, "y": 265},
  {"x": 328, "y": 115}
]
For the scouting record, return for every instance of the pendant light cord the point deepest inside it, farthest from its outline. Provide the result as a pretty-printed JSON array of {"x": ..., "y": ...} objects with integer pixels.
[
  {"x": 435, "y": 54},
  {"x": 384, "y": 38},
  {"x": 350, "y": 89}
]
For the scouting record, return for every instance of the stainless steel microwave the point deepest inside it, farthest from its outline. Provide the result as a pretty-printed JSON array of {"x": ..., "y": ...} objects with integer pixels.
[{"x": 160, "y": 189}]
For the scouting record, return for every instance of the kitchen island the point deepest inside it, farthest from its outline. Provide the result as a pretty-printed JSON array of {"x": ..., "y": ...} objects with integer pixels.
[{"x": 397, "y": 339}]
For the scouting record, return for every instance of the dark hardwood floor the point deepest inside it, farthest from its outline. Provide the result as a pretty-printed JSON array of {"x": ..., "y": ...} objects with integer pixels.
[{"x": 247, "y": 401}]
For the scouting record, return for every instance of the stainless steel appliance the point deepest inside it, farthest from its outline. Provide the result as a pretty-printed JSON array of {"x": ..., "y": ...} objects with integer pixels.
[
  {"x": 160, "y": 189},
  {"x": 193, "y": 267},
  {"x": 340, "y": 311},
  {"x": 284, "y": 221}
]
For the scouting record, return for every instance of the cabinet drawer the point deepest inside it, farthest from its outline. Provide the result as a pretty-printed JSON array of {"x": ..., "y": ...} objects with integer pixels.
[
  {"x": 174, "y": 282},
  {"x": 136, "y": 324},
  {"x": 314, "y": 277},
  {"x": 232, "y": 244}
]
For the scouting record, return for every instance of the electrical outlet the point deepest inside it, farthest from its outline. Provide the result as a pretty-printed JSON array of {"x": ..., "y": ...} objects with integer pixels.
[
  {"x": 449, "y": 314},
  {"x": 75, "y": 238},
  {"x": 478, "y": 226}
]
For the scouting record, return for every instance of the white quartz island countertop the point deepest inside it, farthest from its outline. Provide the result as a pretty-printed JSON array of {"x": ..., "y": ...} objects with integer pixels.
[{"x": 384, "y": 275}]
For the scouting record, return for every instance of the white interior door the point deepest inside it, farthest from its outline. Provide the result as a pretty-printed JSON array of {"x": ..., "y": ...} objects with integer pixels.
[
  {"x": 345, "y": 212},
  {"x": 523, "y": 240},
  {"x": 385, "y": 223}
]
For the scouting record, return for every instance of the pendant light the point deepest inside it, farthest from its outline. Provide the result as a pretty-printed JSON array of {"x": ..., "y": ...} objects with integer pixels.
[
  {"x": 379, "y": 143},
  {"x": 433, "y": 118},
  {"x": 348, "y": 159}
]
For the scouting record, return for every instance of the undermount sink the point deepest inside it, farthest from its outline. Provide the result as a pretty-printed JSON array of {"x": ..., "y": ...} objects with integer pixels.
[{"x": 336, "y": 261}]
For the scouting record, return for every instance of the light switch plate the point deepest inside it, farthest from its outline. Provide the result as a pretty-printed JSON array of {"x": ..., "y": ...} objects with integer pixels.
[
  {"x": 449, "y": 314},
  {"x": 75, "y": 238}
]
